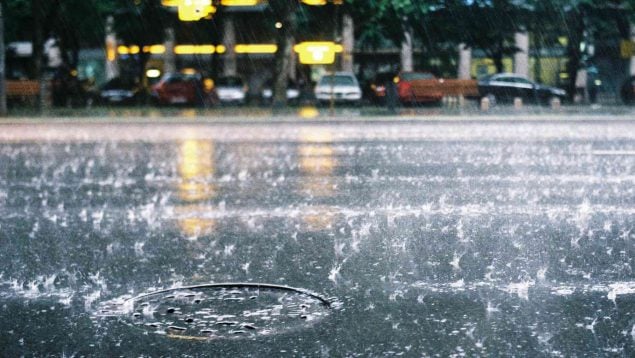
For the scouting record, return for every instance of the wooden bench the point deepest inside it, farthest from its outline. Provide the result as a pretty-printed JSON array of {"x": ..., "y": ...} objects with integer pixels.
[{"x": 25, "y": 91}]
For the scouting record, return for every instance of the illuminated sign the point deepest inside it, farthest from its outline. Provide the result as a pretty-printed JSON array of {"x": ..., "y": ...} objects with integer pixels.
[
  {"x": 194, "y": 10},
  {"x": 317, "y": 53},
  {"x": 255, "y": 48},
  {"x": 240, "y": 2}
]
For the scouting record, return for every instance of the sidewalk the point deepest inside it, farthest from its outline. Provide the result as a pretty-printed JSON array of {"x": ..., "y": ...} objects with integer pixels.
[{"x": 252, "y": 113}]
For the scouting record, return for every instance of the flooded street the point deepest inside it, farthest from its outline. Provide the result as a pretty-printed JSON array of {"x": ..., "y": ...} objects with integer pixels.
[{"x": 413, "y": 238}]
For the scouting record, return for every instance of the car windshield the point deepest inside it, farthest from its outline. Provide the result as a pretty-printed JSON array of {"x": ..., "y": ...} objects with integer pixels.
[{"x": 337, "y": 80}]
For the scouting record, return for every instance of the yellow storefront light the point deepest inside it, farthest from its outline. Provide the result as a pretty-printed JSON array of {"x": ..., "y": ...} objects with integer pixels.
[
  {"x": 122, "y": 50},
  {"x": 314, "y": 2},
  {"x": 133, "y": 49},
  {"x": 194, "y": 10},
  {"x": 318, "y": 52},
  {"x": 240, "y": 2},
  {"x": 255, "y": 48},
  {"x": 220, "y": 49},
  {"x": 171, "y": 2},
  {"x": 194, "y": 49},
  {"x": 154, "y": 49}
]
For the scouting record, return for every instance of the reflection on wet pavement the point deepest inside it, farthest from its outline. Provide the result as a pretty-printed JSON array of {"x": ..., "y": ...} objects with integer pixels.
[{"x": 476, "y": 239}]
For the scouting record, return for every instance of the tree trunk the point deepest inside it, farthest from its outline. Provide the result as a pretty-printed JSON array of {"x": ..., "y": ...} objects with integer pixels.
[
  {"x": 521, "y": 58},
  {"x": 406, "y": 49},
  {"x": 36, "y": 10},
  {"x": 229, "y": 41},
  {"x": 497, "y": 57},
  {"x": 465, "y": 62},
  {"x": 169, "y": 58},
  {"x": 284, "y": 40},
  {"x": 575, "y": 56},
  {"x": 348, "y": 42}
]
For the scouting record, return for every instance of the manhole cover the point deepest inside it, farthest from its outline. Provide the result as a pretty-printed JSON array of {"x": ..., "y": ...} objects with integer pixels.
[{"x": 224, "y": 310}]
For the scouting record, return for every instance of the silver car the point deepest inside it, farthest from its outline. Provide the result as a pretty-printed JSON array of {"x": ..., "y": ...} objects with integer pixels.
[
  {"x": 340, "y": 87},
  {"x": 231, "y": 89}
]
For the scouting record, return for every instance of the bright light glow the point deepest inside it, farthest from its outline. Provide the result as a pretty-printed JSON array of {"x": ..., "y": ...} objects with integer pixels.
[
  {"x": 194, "y": 10},
  {"x": 188, "y": 71},
  {"x": 220, "y": 49},
  {"x": 240, "y": 2},
  {"x": 133, "y": 49},
  {"x": 194, "y": 49},
  {"x": 153, "y": 73},
  {"x": 170, "y": 2},
  {"x": 314, "y": 2},
  {"x": 154, "y": 49},
  {"x": 278, "y": 25},
  {"x": 314, "y": 53},
  {"x": 208, "y": 84},
  {"x": 122, "y": 50},
  {"x": 256, "y": 48}
]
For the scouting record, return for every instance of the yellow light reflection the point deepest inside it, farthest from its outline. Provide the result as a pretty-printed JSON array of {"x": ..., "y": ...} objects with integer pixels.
[
  {"x": 256, "y": 48},
  {"x": 317, "y": 163},
  {"x": 308, "y": 112},
  {"x": 191, "y": 223},
  {"x": 196, "y": 170},
  {"x": 319, "y": 218}
]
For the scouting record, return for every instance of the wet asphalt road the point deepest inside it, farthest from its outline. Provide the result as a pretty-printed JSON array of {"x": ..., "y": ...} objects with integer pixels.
[{"x": 430, "y": 238}]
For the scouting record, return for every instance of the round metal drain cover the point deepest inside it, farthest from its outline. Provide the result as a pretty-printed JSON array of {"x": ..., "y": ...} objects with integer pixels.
[{"x": 224, "y": 310}]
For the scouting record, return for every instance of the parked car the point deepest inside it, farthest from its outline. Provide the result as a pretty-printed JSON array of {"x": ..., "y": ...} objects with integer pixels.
[
  {"x": 293, "y": 92},
  {"x": 183, "y": 88},
  {"x": 121, "y": 91},
  {"x": 418, "y": 87},
  {"x": 504, "y": 87},
  {"x": 342, "y": 87},
  {"x": 231, "y": 89}
]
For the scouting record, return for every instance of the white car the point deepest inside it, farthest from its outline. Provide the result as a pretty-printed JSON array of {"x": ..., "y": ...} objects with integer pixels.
[
  {"x": 231, "y": 90},
  {"x": 341, "y": 87}
]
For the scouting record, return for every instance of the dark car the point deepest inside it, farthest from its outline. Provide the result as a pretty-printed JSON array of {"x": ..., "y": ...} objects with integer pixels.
[
  {"x": 121, "y": 90},
  {"x": 183, "y": 89},
  {"x": 504, "y": 87},
  {"x": 293, "y": 92}
]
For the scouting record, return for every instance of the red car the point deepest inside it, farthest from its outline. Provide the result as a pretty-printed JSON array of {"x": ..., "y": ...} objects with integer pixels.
[
  {"x": 418, "y": 87},
  {"x": 183, "y": 89}
]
